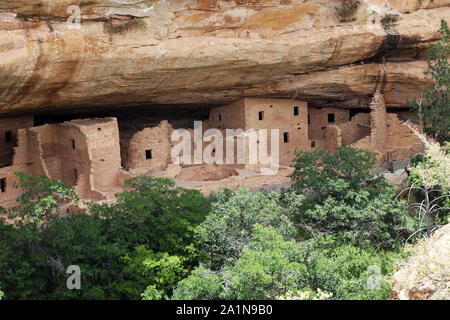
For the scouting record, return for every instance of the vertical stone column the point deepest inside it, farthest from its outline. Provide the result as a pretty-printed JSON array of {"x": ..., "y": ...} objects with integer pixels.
[{"x": 378, "y": 122}]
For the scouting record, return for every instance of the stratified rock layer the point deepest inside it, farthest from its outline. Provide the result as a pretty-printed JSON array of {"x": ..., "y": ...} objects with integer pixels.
[{"x": 211, "y": 52}]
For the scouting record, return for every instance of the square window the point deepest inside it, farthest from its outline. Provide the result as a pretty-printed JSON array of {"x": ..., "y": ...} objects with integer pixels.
[
  {"x": 313, "y": 144},
  {"x": 148, "y": 154},
  {"x": 3, "y": 185},
  {"x": 261, "y": 115},
  {"x": 295, "y": 111},
  {"x": 286, "y": 137},
  {"x": 331, "y": 117},
  {"x": 8, "y": 136}
]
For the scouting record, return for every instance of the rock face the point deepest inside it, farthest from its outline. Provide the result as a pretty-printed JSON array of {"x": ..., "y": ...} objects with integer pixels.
[
  {"x": 210, "y": 52},
  {"x": 426, "y": 274}
]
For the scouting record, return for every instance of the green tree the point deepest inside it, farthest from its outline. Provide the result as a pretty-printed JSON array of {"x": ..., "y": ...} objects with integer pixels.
[
  {"x": 347, "y": 271},
  {"x": 34, "y": 259},
  {"x": 156, "y": 273},
  {"x": 229, "y": 226},
  {"x": 153, "y": 211},
  {"x": 41, "y": 198},
  {"x": 337, "y": 195},
  {"x": 267, "y": 268},
  {"x": 357, "y": 218},
  {"x": 316, "y": 172},
  {"x": 202, "y": 284},
  {"x": 433, "y": 107}
]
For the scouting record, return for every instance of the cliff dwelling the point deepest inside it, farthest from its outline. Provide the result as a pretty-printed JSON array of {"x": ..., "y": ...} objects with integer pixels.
[{"x": 95, "y": 155}]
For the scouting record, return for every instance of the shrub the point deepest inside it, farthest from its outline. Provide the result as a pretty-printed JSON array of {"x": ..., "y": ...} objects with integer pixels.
[
  {"x": 433, "y": 108},
  {"x": 202, "y": 284},
  {"x": 358, "y": 218},
  {"x": 41, "y": 198},
  {"x": 157, "y": 273},
  {"x": 317, "y": 172},
  {"x": 267, "y": 268},
  {"x": 34, "y": 259},
  {"x": 155, "y": 212},
  {"x": 337, "y": 195},
  {"x": 347, "y": 271},
  {"x": 229, "y": 226}
]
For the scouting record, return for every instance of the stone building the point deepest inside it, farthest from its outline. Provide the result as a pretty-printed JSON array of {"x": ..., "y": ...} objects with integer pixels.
[
  {"x": 92, "y": 156},
  {"x": 83, "y": 153},
  {"x": 290, "y": 117}
]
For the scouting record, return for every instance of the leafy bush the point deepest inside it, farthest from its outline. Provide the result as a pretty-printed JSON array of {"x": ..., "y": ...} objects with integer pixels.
[
  {"x": 337, "y": 195},
  {"x": 267, "y": 268},
  {"x": 157, "y": 273},
  {"x": 358, "y": 218},
  {"x": 119, "y": 247},
  {"x": 153, "y": 211},
  {"x": 202, "y": 284},
  {"x": 347, "y": 271},
  {"x": 229, "y": 226},
  {"x": 273, "y": 268},
  {"x": 433, "y": 107},
  {"x": 41, "y": 198},
  {"x": 316, "y": 172},
  {"x": 34, "y": 259}
]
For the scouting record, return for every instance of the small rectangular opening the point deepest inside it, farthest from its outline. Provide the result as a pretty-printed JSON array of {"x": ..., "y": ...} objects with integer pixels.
[
  {"x": 331, "y": 117},
  {"x": 286, "y": 137},
  {"x": 261, "y": 115},
  {"x": 148, "y": 154},
  {"x": 323, "y": 128},
  {"x": 73, "y": 144},
  {"x": 313, "y": 144},
  {"x": 220, "y": 117},
  {"x": 75, "y": 174},
  {"x": 309, "y": 119},
  {"x": 8, "y": 136},
  {"x": 3, "y": 185},
  {"x": 295, "y": 111}
]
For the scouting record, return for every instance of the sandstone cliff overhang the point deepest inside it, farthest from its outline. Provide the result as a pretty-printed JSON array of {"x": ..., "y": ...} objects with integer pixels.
[{"x": 209, "y": 52}]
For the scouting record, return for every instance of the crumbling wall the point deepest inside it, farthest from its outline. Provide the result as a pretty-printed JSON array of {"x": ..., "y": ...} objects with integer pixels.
[
  {"x": 150, "y": 148},
  {"x": 378, "y": 123},
  {"x": 320, "y": 118},
  {"x": 103, "y": 150},
  {"x": 27, "y": 159},
  {"x": 401, "y": 143},
  {"x": 9, "y": 128},
  {"x": 356, "y": 129},
  {"x": 228, "y": 117},
  {"x": 333, "y": 138}
]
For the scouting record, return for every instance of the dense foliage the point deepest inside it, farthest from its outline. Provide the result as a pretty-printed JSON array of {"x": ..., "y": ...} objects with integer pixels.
[
  {"x": 434, "y": 105},
  {"x": 229, "y": 225},
  {"x": 333, "y": 235},
  {"x": 271, "y": 265},
  {"x": 114, "y": 253},
  {"x": 337, "y": 195}
]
